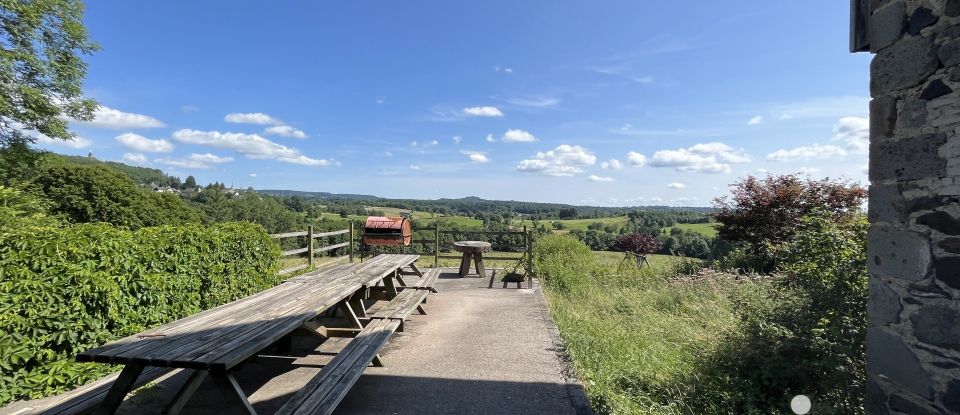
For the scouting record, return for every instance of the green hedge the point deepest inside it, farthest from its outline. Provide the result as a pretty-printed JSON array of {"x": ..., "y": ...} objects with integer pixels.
[{"x": 66, "y": 290}]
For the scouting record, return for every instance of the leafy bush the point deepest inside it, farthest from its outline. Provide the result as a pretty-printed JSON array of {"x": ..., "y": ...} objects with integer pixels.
[
  {"x": 563, "y": 262},
  {"x": 65, "y": 290},
  {"x": 21, "y": 209},
  {"x": 806, "y": 334},
  {"x": 93, "y": 193}
]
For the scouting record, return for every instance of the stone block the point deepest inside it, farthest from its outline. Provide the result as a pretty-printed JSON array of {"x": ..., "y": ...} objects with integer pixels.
[
  {"x": 935, "y": 89},
  {"x": 920, "y": 18},
  {"x": 949, "y": 52},
  {"x": 941, "y": 222},
  {"x": 908, "y": 158},
  {"x": 884, "y": 305},
  {"x": 904, "y": 64},
  {"x": 883, "y": 116},
  {"x": 886, "y": 204},
  {"x": 886, "y": 25},
  {"x": 888, "y": 357},
  {"x": 947, "y": 270},
  {"x": 913, "y": 113},
  {"x": 897, "y": 253},
  {"x": 938, "y": 325}
]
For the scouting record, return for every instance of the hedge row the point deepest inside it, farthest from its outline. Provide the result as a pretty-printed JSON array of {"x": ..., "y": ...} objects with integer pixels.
[{"x": 66, "y": 290}]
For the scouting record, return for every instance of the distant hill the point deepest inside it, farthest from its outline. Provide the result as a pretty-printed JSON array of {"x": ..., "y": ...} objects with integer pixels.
[
  {"x": 318, "y": 195},
  {"x": 140, "y": 175}
]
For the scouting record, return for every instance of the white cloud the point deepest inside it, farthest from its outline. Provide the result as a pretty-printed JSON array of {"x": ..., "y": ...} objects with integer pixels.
[
  {"x": 642, "y": 79},
  {"x": 144, "y": 144},
  {"x": 855, "y": 132},
  {"x": 809, "y": 170},
  {"x": 676, "y": 185},
  {"x": 701, "y": 158},
  {"x": 251, "y": 145},
  {"x": 414, "y": 167},
  {"x": 755, "y": 120},
  {"x": 78, "y": 143},
  {"x": 380, "y": 100},
  {"x": 636, "y": 159},
  {"x": 194, "y": 161},
  {"x": 612, "y": 164},
  {"x": 210, "y": 158},
  {"x": 285, "y": 131},
  {"x": 424, "y": 144},
  {"x": 815, "y": 151},
  {"x": 490, "y": 138},
  {"x": 253, "y": 175},
  {"x": 565, "y": 160},
  {"x": 476, "y": 156},
  {"x": 456, "y": 139},
  {"x": 595, "y": 178},
  {"x": 106, "y": 117},
  {"x": 306, "y": 161},
  {"x": 257, "y": 118},
  {"x": 534, "y": 102},
  {"x": 482, "y": 111},
  {"x": 518, "y": 136},
  {"x": 135, "y": 158},
  {"x": 503, "y": 69}
]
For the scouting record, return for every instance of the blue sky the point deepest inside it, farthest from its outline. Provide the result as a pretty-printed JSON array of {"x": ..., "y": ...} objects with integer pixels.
[{"x": 607, "y": 103}]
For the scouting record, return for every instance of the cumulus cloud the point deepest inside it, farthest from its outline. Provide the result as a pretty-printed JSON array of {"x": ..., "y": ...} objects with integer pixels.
[
  {"x": 564, "y": 160},
  {"x": 106, "y": 117},
  {"x": 816, "y": 151},
  {"x": 636, "y": 159},
  {"x": 676, "y": 185},
  {"x": 456, "y": 139},
  {"x": 490, "y": 138},
  {"x": 257, "y": 118},
  {"x": 503, "y": 69},
  {"x": 612, "y": 164},
  {"x": 194, "y": 161},
  {"x": 285, "y": 131},
  {"x": 253, "y": 175},
  {"x": 755, "y": 120},
  {"x": 250, "y": 145},
  {"x": 144, "y": 144},
  {"x": 135, "y": 158},
  {"x": 518, "y": 136},
  {"x": 855, "y": 132},
  {"x": 701, "y": 158},
  {"x": 430, "y": 143},
  {"x": 476, "y": 156},
  {"x": 482, "y": 111},
  {"x": 414, "y": 167},
  {"x": 595, "y": 178}
]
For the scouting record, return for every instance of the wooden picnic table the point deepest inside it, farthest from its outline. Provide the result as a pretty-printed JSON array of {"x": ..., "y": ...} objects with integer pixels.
[
  {"x": 472, "y": 250},
  {"x": 214, "y": 342}
]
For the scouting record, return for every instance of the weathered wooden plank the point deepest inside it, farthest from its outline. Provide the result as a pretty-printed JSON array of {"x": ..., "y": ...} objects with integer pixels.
[
  {"x": 288, "y": 234},
  {"x": 85, "y": 399},
  {"x": 332, "y": 233},
  {"x": 329, "y": 247},
  {"x": 294, "y": 251}
]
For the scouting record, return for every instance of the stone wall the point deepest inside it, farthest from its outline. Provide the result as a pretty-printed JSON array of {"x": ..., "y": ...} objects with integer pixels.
[{"x": 913, "y": 339}]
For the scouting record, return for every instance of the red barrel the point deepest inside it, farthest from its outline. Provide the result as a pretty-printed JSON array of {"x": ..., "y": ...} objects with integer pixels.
[{"x": 381, "y": 230}]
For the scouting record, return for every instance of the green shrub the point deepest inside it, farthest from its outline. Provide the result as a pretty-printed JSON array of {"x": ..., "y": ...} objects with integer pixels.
[
  {"x": 563, "y": 262},
  {"x": 66, "y": 290}
]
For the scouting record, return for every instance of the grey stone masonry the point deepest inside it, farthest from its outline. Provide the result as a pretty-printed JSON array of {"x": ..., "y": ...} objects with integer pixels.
[{"x": 913, "y": 247}]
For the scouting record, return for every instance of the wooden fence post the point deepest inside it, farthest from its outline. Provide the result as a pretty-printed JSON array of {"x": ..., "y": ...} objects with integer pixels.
[
  {"x": 526, "y": 243},
  {"x": 351, "y": 242},
  {"x": 436, "y": 244},
  {"x": 310, "y": 245}
]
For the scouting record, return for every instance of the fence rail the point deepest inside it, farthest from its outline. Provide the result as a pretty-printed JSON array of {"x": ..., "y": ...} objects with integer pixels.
[{"x": 312, "y": 250}]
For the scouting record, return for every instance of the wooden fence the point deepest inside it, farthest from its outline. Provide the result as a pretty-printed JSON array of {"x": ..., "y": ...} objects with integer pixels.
[
  {"x": 438, "y": 252},
  {"x": 312, "y": 250}
]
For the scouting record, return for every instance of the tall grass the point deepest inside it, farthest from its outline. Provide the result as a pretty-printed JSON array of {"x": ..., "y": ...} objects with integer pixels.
[{"x": 635, "y": 336}]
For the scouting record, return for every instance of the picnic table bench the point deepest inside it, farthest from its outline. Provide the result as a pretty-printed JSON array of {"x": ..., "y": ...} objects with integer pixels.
[{"x": 215, "y": 342}]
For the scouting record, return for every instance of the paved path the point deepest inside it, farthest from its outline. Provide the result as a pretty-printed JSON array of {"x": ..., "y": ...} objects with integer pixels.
[{"x": 478, "y": 351}]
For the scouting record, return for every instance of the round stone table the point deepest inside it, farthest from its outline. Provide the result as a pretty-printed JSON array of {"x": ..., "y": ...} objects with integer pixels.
[{"x": 475, "y": 250}]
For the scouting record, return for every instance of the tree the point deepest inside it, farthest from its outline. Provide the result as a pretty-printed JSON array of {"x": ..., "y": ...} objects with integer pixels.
[
  {"x": 770, "y": 211},
  {"x": 41, "y": 72},
  {"x": 568, "y": 213},
  {"x": 92, "y": 193},
  {"x": 191, "y": 182},
  {"x": 637, "y": 243}
]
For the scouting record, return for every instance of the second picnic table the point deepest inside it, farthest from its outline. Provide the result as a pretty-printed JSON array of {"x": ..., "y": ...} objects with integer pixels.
[{"x": 472, "y": 250}]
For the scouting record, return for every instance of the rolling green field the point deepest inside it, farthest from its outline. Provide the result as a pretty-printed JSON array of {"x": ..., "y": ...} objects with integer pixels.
[{"x": 708, "y": 229}]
